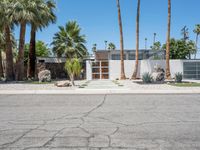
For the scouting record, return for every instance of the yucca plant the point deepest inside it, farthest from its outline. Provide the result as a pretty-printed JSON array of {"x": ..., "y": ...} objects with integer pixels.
[
  {"x": 73, "y": 68},
  {"x": 147, "y": 78},
  {"x": 178, "y": 77}
]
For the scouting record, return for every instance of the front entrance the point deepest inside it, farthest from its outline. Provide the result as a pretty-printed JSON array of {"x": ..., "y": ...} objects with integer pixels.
[{"x": 100, "y": 70}]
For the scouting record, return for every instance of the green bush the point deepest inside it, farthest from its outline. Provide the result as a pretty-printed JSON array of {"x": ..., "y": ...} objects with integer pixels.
[
  {"x": 147, "y": 78},
  {"x": 178, "y": 77}
]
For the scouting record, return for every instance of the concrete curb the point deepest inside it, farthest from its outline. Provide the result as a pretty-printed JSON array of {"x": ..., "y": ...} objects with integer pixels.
[{"x": 96, "y": 91}]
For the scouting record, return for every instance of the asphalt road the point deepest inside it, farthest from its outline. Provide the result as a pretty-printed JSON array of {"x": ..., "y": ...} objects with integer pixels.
[{"x": 100, "y": 122}]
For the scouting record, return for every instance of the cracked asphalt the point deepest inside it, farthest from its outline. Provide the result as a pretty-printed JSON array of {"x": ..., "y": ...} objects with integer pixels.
[{"x": 100, "y": 122}]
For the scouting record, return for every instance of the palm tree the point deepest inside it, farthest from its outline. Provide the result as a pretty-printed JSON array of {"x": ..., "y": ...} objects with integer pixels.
[
  {"x": 134, "y": 76},
  {"x": 94, "y": 48},
  {"x": 154, "y": 37},
  {"x": 6, "y": 22},
  {"x": 197, "y": 31},
  {"x": 168, "y": 74},
  {"x": 106, "y": 43},
  {"x": 185, "y": 33},
  {"x": 42, "y": 19},
  {"x": 111, "y": 46},
  {"x": 3, "y": 48},
  {"x": 69, "y": 41},
  {"x": 2, "y": 39},
  {"x": 1, "y": 65},
  {"x": 145, "y": 43},
  {"x": 24, "y": 12},
  {"x": 73, "y": 68},
  {"x": 122, "y": 76}
]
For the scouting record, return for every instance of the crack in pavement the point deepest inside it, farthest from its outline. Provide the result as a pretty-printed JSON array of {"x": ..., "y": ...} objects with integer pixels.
[
  {"x": 91, "y": 128},
  {"x": 6, "y": 145},
  {"x": 97, "y": 107},
  {"x": 53, "y": 137}
]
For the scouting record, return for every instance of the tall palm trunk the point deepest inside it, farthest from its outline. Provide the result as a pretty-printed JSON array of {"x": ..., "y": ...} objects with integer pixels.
[
  {"x": 122, "y": 76},
  {"x": 32, "y": 53},
  {"x": 1, "y": 65},
  {"x": 134, "y": 76},
  {"x": 20, "y": 60},
  {"x": 197, "y": 38},
  {"x": 9, "y": 56},
  {"x": 168, "y": 74}
]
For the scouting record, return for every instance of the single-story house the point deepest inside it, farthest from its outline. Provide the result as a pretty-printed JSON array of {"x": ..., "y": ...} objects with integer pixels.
[{"x": 106, "y": 64}]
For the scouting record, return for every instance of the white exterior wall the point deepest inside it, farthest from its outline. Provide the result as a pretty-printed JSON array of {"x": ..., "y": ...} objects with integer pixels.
[
  {"x": 115, "y": 68},
  {"x": 176, "y": 66},
  {"x": 148, "y": 66},
  {"x": 88, "y": 70},
  {"x": 144, "y": 66}
]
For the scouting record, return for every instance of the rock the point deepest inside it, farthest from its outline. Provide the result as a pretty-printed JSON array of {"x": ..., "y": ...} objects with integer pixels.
[
  {"x": 44, "y": 76},
  {"x": 158, "y": 74},
  {"x": 41, "y": 67},
  {"x": 63, "y": 84}
]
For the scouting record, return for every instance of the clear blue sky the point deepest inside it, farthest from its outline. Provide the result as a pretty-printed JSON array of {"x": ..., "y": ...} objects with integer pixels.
[{"x": 98, "y": 20}]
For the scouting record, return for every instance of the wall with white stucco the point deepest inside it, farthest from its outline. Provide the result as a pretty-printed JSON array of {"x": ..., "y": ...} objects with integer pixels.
[
  {"x": 88, "y": 70},
  {"x": 144, "y": 66}
]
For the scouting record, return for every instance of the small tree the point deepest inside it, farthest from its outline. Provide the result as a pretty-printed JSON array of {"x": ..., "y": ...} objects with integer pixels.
[
  {"x": 73, "y": 68},
  {"x": 180, "y": 49},
  {"x": 156, "y": 46}
]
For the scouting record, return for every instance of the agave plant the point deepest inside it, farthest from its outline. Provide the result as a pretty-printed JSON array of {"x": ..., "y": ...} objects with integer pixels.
[
  {"x": 178, "y": 77},
  {"x": 147, "y": 78}
]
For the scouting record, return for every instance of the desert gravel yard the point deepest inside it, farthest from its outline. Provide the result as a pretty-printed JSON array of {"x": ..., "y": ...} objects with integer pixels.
[
  {"x": 100, "y": 122},
  {"x": 98, "y": 85}
]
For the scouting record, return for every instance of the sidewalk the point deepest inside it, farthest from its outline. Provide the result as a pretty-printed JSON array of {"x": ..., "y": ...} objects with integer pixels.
[{"x": 97, "y": 87}]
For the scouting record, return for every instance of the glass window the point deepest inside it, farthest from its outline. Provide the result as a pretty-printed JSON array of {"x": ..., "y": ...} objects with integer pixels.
[
  {"x": 104, "y": 70},
  {"x": 95, "y": 76},
  {"x": 95, "y": 64},
  {"x": 117, "y": 57},
  {"x": 131, "y": 57},
  {"x": 191, "y": 70},
  {"x": 95, "y": 70},
  {"x": 104, "y": 64},
  {"x": 105, "y": 76}
]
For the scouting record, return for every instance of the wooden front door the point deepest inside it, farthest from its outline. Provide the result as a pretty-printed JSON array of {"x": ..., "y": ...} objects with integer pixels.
[{"x": 100, "y": 70}]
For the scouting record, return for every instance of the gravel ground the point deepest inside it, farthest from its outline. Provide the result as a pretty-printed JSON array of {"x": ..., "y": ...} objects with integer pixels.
[
  {"x": 133, "y": 85},
  {"x": 33, "y": 86},
  {"x": 99, "y": 84}
]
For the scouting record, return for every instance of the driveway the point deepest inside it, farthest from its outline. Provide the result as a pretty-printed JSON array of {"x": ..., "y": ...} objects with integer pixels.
[{"x": 100, "y": 122}]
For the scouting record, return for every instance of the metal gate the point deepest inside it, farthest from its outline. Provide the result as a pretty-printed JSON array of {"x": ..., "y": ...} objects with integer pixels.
[
  {"x": 191, "y": 70},
  {"x": 100, "y": 70}
]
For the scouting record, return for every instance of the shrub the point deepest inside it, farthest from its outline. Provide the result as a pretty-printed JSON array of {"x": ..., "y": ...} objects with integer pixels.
[
  {"x": 147, "y": 78},
  {"x": 73, "y": 68},
  {"x": 178, "y": 77}
]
